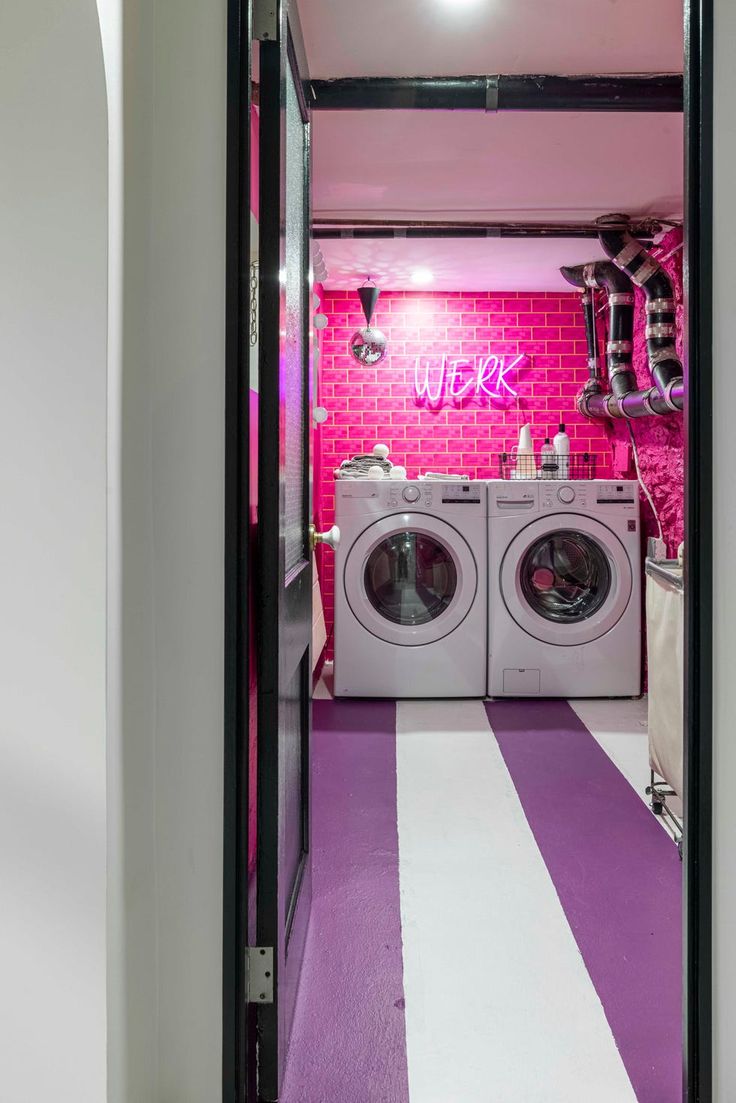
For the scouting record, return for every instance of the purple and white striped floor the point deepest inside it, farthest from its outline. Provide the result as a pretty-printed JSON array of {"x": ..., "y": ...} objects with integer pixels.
[{"x": 496, "y": 912}]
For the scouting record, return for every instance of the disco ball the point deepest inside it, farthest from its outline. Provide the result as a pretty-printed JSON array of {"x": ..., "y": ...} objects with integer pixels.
[{"x": 368, "y": 345}]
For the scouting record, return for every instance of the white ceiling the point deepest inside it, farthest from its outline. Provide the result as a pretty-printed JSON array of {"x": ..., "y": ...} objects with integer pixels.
[
  {"x": 515, "y": 166},
  {"x": 523, "y": 165},
  {"x": 455, "y": 37},
  {"x": 531, "y": 264}
]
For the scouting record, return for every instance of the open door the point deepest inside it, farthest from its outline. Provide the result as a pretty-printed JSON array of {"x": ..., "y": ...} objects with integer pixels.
[{"x": 284, "y": 583}]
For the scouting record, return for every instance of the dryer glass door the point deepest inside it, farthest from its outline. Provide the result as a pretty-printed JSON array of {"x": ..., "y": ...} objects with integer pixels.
[
  {"x": 410, "y": 578},
  {"x": 566, "y": 579},
  {"x": 565, "y": 576}
]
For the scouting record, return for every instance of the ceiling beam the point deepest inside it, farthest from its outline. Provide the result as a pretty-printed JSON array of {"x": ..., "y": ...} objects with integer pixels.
[{"x": 646, "y": 92}]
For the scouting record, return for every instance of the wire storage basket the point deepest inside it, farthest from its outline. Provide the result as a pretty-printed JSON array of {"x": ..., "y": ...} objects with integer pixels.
[{"x": 573, "y": 466}]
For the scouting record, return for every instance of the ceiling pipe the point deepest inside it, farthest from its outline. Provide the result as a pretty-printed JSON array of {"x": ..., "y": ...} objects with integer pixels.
[
  {"x": 645, "y": 92},
  {"x": 328, "y": 229}
]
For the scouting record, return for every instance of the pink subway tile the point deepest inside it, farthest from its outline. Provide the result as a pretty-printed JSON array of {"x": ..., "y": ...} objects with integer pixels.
[
  {"x": 489, "y": 333},
  {"x": 543, "y": 363}
]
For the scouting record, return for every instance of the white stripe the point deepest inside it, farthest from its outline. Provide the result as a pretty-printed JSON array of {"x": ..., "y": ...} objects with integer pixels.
[{"x": 499, "y": 1005}]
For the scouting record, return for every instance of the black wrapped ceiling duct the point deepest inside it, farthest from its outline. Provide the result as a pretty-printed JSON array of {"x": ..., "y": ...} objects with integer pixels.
[
  {"x": 603, "y": 274},
  {"x": 630, "y": 256}
]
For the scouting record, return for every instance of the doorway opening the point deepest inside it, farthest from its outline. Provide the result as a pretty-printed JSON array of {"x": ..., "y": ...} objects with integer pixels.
[{"x": 471, "y": 821}]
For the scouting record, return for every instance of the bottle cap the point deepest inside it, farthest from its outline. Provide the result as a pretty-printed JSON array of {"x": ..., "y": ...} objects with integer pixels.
[
  {"x": 562, "y": 427},
  {"x": 546, "y": 440}
]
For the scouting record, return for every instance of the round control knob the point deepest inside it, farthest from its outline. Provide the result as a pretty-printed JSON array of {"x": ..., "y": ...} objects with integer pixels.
[
  {"x": 410, "y": 493},
  {"x": 566, "y": 494}
]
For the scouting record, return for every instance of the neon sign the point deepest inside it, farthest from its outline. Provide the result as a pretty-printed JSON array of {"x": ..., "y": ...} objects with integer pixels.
[{"x": 457, "y": 380}]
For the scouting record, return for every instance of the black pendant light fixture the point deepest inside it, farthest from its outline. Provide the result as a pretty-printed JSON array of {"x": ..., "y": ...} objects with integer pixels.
[{"x": 368, "y": 345}]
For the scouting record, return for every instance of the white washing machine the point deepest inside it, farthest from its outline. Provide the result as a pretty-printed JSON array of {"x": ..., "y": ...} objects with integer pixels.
[
  {"x": 410, "y": 589},
  {"x": 564, "y": 589}
]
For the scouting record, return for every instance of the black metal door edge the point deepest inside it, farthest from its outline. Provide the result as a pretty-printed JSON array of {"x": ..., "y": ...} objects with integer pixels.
[
  {"x": 236, "y": 1032},
  {"x": 697, "y": 917}
]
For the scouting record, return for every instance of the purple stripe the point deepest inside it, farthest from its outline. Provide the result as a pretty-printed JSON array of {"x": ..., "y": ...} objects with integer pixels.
[
  {"x": 617, "y": 875},
  {"x": 349, "y": 1037}
]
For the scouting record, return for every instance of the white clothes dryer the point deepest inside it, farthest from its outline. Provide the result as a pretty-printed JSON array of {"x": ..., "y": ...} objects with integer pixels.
[
  {"x": 410, "y": 589},
  {"x": 564, "y": 589}
]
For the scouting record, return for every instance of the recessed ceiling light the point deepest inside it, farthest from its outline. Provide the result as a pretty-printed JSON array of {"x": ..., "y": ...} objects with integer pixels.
[{"x": 422, "y": 276}]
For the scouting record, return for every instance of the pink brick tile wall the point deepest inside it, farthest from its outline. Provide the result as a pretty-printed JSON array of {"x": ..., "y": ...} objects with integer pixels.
[{"x": 371, "y": 404}]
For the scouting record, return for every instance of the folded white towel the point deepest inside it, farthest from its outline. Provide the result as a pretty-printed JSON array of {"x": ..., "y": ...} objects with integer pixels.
[{"x": 436, "y": 477}]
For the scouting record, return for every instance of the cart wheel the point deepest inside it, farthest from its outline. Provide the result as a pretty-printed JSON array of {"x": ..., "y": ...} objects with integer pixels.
[
  {"x": 657, "y": 807},
  {"x": 679, "y": 848}
]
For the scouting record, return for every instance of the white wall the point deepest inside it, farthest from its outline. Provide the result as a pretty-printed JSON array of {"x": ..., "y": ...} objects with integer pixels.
[
  {"x": 724, "y": 569},
  {"x": 53, "y": 287},
  {"x": 111, "y": 530},
  {"x": 166, "y": 555},
  {"x": 187, "y": 325}
]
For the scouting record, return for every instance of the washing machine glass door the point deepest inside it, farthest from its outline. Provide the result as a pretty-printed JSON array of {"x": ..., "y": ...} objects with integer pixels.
[
  {"x": 566, "y": 579},
  {"x": 410, "y": 579}
]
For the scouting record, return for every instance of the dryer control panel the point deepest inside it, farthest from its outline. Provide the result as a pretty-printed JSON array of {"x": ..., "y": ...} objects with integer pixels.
[{"x": 556, "y": 495}]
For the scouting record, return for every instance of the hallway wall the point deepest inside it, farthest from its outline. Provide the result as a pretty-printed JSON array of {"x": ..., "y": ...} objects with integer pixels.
[
  {"x": 53, "y": 422},
  {"x": 167, "y": 401}
]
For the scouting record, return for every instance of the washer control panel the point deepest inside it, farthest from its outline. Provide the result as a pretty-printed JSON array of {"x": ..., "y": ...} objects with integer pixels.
[
  {"x": 398, "y": 494},
  {"x": 425, "y": 494},
  {"x": 460, "y": 494}
]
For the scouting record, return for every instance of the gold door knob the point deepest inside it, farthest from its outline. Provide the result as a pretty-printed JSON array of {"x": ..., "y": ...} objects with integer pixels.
[{"x": 331, "y": 537}]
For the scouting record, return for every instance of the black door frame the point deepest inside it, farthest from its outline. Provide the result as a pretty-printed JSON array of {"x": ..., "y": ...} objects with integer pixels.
[
  {"x": 282, "y": 60},
  {"x": 697, "y": 972},
  {"x": 237, "y": 1072},
  {"x": 697, "y": 917}
]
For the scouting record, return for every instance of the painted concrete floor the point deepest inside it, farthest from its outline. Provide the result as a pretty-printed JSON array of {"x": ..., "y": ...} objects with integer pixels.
[{"x": 481, "y": 932}]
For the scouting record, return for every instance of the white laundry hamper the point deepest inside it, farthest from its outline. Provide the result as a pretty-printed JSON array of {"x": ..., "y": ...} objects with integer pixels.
[{"x": 665, "y": 653}]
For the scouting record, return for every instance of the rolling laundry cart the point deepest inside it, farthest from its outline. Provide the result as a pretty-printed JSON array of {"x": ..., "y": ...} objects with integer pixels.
[{"x": 665, "y": 652}]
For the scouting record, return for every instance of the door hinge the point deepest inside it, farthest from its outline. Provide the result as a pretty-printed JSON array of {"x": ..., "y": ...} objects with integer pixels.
[
  {"x": 259, "y": 974},
  {"x": 266, "y": 20}
]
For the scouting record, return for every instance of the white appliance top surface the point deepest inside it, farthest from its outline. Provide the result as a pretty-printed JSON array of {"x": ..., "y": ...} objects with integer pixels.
[{"x": 462, "y": 502}]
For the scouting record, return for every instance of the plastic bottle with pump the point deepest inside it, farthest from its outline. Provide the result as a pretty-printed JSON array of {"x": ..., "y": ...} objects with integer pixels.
[
  {"x": 549, "y": 463},
  {"x": 562, "y": 451}
]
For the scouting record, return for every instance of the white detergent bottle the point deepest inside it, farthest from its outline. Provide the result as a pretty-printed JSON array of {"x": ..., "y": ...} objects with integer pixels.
[
  {"x": 523, "y": 453},
  {"x": 562, "y": 451},
  {"x": 548, "y": 460}
]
